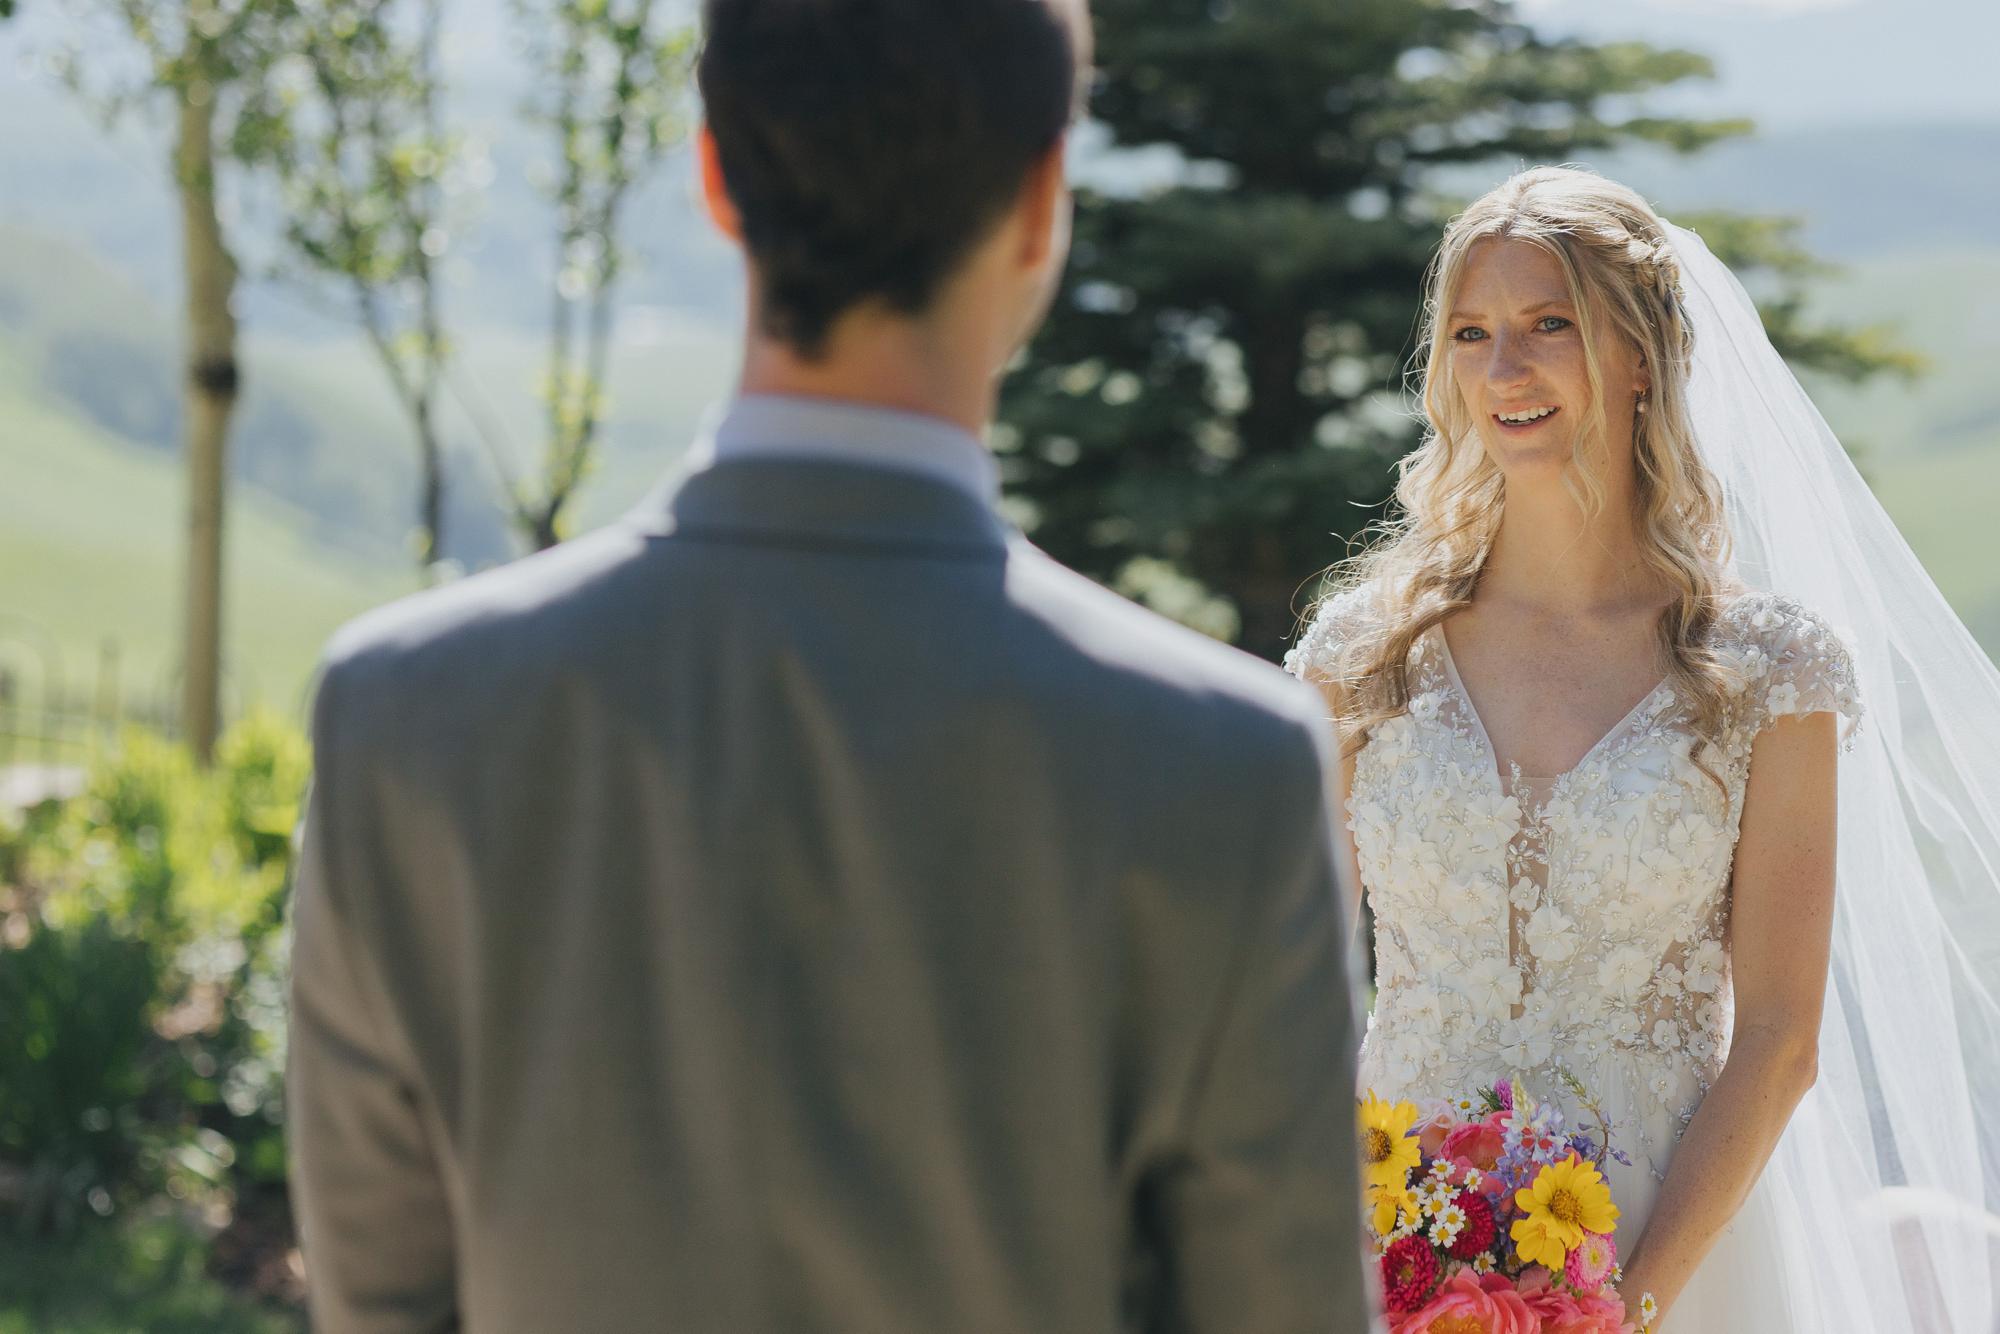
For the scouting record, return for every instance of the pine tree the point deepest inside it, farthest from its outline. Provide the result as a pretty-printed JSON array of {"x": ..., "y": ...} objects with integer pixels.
[{"x": 1216, "y": 402}]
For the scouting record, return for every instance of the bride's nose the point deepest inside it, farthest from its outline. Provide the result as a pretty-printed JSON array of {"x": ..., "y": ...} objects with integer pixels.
[{"x": 1508, "y": 367}]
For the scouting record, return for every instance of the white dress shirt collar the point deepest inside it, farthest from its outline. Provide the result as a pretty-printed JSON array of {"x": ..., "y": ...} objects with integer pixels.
[{"x": 782, "y": 426}]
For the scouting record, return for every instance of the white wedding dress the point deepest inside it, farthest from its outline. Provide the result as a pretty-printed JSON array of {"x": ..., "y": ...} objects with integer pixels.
[{"x": 1524, "y": 925}]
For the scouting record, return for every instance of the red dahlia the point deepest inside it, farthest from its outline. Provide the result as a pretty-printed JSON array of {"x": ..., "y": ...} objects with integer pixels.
[
  {"x": 1479, "y": 1231},
  {"x": 1409, "y": 1272}
]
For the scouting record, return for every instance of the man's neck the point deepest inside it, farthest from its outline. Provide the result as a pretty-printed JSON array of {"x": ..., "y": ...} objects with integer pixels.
[{"x": 881, "y": 363}]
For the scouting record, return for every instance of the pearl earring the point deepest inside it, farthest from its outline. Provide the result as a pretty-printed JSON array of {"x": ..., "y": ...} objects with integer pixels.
[{"x": 1642, "y": 403}]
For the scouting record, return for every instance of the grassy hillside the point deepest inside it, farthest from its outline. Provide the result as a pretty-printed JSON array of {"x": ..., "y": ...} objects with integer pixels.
[
  {"x": 317, "y": 425},
  {"x": 1932, "y": 450},
  {"x": 90, "y": 541},
  {"x": 324, "y": 478}
]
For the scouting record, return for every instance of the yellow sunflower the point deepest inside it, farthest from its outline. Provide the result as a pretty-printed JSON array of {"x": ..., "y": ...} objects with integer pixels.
[
  {"x": 1567, "y": 1199},
  {"x": 1388, "y": 1151}
]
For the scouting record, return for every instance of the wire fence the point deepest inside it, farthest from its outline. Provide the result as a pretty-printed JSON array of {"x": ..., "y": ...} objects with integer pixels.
[{"x": 57, "y": 715}]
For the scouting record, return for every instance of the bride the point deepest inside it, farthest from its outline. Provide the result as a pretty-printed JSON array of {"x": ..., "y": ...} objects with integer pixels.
[{"x": 1593, "y": 708}]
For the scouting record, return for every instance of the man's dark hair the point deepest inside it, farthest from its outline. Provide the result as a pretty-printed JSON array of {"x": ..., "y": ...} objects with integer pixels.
[{"x": 870, "y": 144}]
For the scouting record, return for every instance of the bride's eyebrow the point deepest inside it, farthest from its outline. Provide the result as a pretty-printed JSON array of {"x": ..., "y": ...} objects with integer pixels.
[{"x": 1553, "y": 303}]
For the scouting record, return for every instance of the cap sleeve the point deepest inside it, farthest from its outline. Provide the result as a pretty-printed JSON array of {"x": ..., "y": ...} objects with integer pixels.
[
  {"x": 1808, "y": 669},
  {"x": 1335, "y": 620}
]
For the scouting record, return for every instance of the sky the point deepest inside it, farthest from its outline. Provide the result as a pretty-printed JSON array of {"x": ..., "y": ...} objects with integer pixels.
[
  {"x": 1795, "y": 63},
  {"x": 1788, "y": 63}
]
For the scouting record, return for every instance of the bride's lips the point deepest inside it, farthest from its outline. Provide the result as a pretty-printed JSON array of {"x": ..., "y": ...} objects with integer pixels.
[{"x": 1522, "y": 428}]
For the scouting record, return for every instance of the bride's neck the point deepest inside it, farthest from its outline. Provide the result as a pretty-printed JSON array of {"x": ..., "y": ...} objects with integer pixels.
[{"x": 1549, "y": 557}]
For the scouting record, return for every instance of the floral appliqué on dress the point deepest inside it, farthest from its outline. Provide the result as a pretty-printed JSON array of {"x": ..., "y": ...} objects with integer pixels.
[{"x": 1525, "y": 924}]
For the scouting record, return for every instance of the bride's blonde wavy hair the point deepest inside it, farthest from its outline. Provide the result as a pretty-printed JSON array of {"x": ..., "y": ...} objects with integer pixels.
[{"x": 1426, "y": 559}]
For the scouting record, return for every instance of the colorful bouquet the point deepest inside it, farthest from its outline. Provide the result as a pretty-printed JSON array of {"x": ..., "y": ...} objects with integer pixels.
[{"x": 1492, "y": 1217}]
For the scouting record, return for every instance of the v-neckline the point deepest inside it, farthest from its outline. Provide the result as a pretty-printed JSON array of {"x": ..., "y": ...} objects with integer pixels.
[{"x": 1507, "y": 783}]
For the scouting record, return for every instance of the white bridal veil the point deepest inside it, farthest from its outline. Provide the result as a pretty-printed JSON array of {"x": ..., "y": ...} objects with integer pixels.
[{"x": 1890, "y": 1171}]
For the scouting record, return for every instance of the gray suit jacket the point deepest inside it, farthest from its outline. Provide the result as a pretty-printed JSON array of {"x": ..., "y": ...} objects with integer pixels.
[{"x": 803, "y": 907}]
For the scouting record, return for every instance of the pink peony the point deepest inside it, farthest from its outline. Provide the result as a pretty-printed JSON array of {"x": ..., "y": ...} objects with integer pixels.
[
  {"x": 1561, "y": 1311},
  {"x": 1469, "y": 1304},
  {"x": 1474, "y": 1144}
]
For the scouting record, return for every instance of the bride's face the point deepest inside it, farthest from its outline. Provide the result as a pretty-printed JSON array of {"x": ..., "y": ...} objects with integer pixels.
[{"x": 1517, "y": 358}]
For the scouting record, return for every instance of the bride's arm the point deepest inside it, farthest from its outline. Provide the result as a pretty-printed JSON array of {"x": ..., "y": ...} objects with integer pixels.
[{"x": 1781, "y": 927}]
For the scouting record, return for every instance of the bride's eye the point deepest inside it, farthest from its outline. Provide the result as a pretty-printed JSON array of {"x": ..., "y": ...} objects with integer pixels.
[
  {"x": 1471, "y": 333},
  {"x": 1552, "y": 324}
]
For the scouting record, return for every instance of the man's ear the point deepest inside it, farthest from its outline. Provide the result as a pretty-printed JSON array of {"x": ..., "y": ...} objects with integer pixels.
[
  {"x": 1044, "y": 206},
  {"x": 714, "y": 189}
]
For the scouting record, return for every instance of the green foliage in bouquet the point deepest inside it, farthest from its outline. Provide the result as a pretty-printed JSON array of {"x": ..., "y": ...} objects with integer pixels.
[{"x": 141, "y": 978}]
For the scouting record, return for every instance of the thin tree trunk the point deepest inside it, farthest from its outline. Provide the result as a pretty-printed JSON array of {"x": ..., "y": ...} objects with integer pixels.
[
  {"x": 430, "y": 322},
  {"x": 211, "y": 399},
  {"x": 542, "y": 526},
  {"x": 433, "y": 484}
]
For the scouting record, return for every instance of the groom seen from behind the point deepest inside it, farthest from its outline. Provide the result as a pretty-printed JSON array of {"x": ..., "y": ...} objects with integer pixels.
[{"x": 804, "y": 906}]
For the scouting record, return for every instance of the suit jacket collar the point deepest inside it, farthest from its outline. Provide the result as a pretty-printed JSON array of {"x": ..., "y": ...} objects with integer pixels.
[{"x": 821, "y": 502}]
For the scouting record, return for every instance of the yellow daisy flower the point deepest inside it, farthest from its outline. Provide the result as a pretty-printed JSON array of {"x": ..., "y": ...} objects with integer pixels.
[
  {"x": 1388, "y": 1151},
  {"x": 1389, "y": 1205},
  {"x": 1567, "y": 1199}
]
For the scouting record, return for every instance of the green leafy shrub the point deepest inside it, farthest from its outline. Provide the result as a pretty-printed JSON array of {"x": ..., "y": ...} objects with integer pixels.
[
  {"x": 77, "y": 1063},
  {"x": 147, "y": 972},
  {"x": 147, "y": 1273}
]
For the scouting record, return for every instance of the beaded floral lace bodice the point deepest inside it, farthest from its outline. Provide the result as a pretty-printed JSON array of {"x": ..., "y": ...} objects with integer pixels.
[{"x": 1580, "y": 923}]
